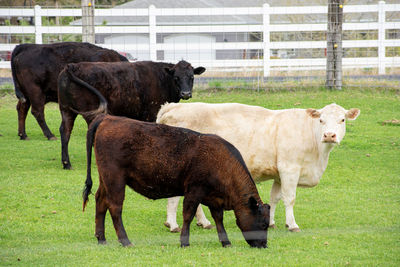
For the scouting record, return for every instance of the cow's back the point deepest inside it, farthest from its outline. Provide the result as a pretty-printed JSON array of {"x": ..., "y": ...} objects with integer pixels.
[
  {"x": 53, "y": 57},
  {"x": 41, "y": 64},
  {"x": 251, "y": 129},
  {"x": 123, "y": 144},
  {"x": 156, "y": 160},
  {"x": 135, "y": 90},
  {"x": 268, "y": 140}
]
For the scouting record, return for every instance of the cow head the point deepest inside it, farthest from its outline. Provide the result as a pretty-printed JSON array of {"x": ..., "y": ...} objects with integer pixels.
[
  {"x": 183, "y": 75},
  {"x": 332, "y": 122},
  {"x": 254, "y": 224}
]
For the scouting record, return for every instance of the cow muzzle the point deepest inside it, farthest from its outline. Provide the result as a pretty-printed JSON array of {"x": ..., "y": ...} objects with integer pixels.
[
  {"x": 329, "y": 138},
  {"x": 186, "y": 95}
]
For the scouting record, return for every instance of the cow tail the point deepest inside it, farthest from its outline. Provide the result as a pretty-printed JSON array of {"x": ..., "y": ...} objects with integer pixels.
[
  {"x": 102, "y": 109},
  {"x": 17, "y": 89},
  {"x": 89, "y": 144}
]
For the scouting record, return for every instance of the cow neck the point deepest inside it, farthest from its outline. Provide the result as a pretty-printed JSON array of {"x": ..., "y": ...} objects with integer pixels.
[
  {"x": 170, "y": 91},
  {"x": 173, "y": 94},
  {"x": 242, "y": 208},
  {"x": 243, "y": 189},
  {"x": 324, "y": 149}
]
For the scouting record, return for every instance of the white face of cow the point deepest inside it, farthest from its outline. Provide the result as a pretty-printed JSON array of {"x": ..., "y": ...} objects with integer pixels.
[{"x": 332, "y": 122}]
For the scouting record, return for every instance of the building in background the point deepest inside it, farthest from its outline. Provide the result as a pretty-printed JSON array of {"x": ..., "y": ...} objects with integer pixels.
[{"x": 170, "y": 38}]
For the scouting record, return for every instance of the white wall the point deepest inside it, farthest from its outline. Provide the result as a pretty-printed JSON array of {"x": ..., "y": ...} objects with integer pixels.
[
  {"x": 189, "y": 54},
  {"x": 130, "y": 39}
]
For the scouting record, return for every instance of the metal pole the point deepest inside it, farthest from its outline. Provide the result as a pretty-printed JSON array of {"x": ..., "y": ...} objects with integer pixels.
[
  {"x": 334, "y": 45},
  {"x": 88, "y": 21}
]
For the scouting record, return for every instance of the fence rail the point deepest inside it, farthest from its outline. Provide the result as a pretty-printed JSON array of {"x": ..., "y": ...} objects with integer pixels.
[{"x": 265, "y": 45}]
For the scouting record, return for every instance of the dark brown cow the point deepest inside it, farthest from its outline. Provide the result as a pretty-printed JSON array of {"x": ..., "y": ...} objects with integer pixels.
[
  {"x": 160, "y": 161},
  {"x": 35, "y": 70},
  {"x": 135, "y": 90}
]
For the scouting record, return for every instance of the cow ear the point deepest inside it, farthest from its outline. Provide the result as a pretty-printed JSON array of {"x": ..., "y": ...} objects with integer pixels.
[
  {"x": 199, "y": 70},
  {"x": 313, "y": 113},
  {"x": 253, "y": 204},
  {"x": 169, "y": 71},
  {"x": 352, "y": 114}
]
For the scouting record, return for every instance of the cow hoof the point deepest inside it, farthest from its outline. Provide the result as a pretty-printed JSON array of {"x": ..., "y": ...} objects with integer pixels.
[
  {"x": 53, "y": 138},
  {"x": 273, "y": 226},
  {"x": 184, "y": 245},
  {"x": 210, "y": 226},
  {"x": 23, "y": 138},
  {"x": 295, "y": 230},
  {"x": 176, "y": 230},
  {"x": 102, "y": 242},
  {"x": 126, "y": 243},
  {"x": 227, "y": 245},
  {"x": 67, "y": 166}
]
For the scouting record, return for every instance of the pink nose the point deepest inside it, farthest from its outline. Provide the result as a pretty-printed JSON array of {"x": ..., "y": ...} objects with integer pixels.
[{"x": 329, "y": 137}]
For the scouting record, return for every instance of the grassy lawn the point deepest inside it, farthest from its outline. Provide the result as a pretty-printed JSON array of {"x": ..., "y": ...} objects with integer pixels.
[{"x": 350, "y": 218}]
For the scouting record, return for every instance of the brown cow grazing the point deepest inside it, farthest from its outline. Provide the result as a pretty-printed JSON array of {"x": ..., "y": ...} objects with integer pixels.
[
  {"x": 135, "y": 90},
  {"x": 35, "y": 70},
  {"x": 160, "y": 161}
]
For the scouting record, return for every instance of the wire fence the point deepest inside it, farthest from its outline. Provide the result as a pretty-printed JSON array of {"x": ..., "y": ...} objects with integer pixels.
[{"x": 231, "y": 42}]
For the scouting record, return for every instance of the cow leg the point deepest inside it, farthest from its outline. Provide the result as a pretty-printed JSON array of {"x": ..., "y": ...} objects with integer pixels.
[
  {"x": 22, "y": 109},
  {"x": 101, "y": 210},
  {"x": 172, "y": 206},
  {"x": 289, "y": 181},
  {"x": 171, "y": 223},
  {"x": 67, "y": 124},
  {"x": 189, "y": 210},
  {"x": 115, "y": 207},
  {"x": 201, "y": 219},
  {"x": 37, "y": 111},
  {"x": 218, "y": 215},
  {"x": 275, "y": 197}
]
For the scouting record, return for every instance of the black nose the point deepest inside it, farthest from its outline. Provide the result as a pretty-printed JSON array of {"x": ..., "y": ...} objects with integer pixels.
[{"x": 186, "y": 96}]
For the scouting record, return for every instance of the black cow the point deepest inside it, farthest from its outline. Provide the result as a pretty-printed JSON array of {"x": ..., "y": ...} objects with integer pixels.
[
  {"x": 160, "y": 161},
  {"x": 35, "y": 70},
  {"x": 135, "y": 90}
]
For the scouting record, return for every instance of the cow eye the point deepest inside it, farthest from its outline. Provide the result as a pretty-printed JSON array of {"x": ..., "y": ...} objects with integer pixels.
[
  {"x": 342, "y": 120},
  {"x": 321, "y": 121},
  {"x": 176, "y": 78}
]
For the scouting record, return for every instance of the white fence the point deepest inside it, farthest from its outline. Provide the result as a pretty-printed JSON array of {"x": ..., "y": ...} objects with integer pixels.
[{"x": 264, "y": 27}]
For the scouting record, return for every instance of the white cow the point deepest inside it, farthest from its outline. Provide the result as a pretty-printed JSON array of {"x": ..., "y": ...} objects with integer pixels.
[{"x": 290, "y": 146}]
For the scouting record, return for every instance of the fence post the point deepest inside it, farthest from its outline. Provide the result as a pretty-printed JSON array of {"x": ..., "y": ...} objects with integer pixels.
[
  {"x": 334, "y": 45},
  {"x": 152, "y": 33},
  {"x": 266, "y": 41},
  {"x": 381, "y": 37},
  {"x": 88, "y": 34},
  {"x": 38, "y": 24}
]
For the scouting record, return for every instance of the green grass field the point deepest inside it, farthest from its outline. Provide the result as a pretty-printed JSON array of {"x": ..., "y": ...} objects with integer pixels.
[{"x": 351, "y": 218}]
